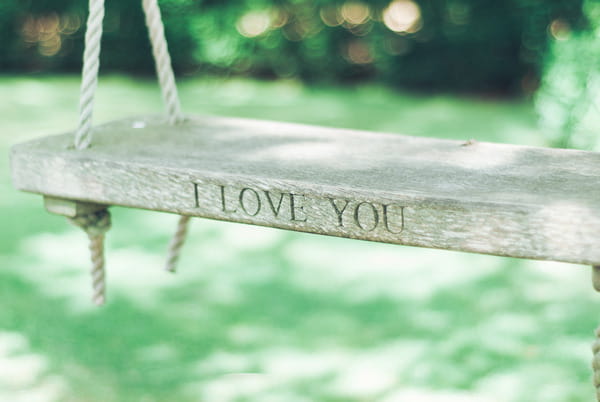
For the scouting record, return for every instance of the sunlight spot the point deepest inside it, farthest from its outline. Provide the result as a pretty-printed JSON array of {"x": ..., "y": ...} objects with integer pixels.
[
  {"x": 224, "y": 291},
  {"x": 428, "y": 395},
  {"x": 366, "y": 379},
  {"x": 11, "y": 342},
  {"x": 558, "y": 281},
  {"x": 287, "y": 365},
  {"x": 551, "y": 384},
  {"x": 348, "y": 372},
  {"x": 368, "y": 270},
  {"x": 563, "y": 225},
  {"x": 513, "y": 324},
  {"x": 302, "y": 151},
  {"x": 477, "y": 156},
  {"x": 133, "y": 272},
  {"x": 233, "y": 387},
  {"x": 21, "y": 371},
  {"x": 33, "y": 93},
  {"x": 67, "y": 248},
  {"x": 159, "y": 352},
  {"x": 221, "y": 361},
  {"x": 23, "y": 375},
  {"x": 250, "y": 237},
  {"x": 242, "y": 334}
]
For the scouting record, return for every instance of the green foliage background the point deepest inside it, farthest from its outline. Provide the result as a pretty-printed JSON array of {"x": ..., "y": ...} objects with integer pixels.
[
  {"x": 465, "y": 45},
  {"x": 568, "y": 101}
]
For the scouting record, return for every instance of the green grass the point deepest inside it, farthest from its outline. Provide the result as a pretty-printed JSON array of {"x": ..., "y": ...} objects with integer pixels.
[{"x": 258, "y": 314}]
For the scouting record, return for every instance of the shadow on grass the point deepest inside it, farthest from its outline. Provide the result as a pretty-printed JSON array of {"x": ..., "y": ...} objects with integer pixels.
[{"x": 201, "y": 346}]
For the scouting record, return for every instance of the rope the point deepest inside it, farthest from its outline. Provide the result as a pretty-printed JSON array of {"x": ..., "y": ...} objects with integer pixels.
[
  {"x": 596, "y": 363},
  {"x": 168, "y": 88},
  {"x": 162, "y": 60},
  {"x": 89, "y": 76},
  {"x": 83, "y": 135},
  {"x": 176, "y": 243},
  {"x": 96, "y": 224}
]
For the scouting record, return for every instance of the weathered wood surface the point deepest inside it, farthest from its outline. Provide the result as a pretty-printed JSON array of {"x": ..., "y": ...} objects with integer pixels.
[{"x": 478, "y": 197}]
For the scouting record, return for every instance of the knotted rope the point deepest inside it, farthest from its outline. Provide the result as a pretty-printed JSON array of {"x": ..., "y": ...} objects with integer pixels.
[{"x": 95, "y": 224}]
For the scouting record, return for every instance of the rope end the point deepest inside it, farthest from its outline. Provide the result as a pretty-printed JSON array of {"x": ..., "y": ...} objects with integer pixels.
[
  {"x": 99, "y": 300},
  {"x": 177, "y": 243}
]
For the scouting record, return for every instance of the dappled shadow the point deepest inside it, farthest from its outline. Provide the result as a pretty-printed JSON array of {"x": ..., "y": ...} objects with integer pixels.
[{"x": 249, "y": 323}]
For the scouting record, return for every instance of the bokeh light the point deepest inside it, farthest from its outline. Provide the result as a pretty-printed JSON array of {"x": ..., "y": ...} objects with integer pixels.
[
  {"x": 254, "y": 23},
  {"x": 47, "y": 32},
  {"x": 403, "y": 16},
  {"x": 355, "y": 13},
  {"x": 396, "y": 45},
  {"x": 559, "y": 29},
  {"x": 279, "y": 17},
  {"x": 459, "y": 13},
  {"x": 331, "y": 16},
  {"x": 266, "y": 38},
  {"x": 359, "y": 52}
]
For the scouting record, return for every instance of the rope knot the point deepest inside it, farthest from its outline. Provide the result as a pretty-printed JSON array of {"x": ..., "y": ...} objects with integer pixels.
[{"x": 94, "y": 224}]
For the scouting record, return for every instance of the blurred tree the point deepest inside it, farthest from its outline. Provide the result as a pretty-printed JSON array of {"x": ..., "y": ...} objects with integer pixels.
[
  {"x": 465, "y": 45},
  {"x": 570, "y": 93}
]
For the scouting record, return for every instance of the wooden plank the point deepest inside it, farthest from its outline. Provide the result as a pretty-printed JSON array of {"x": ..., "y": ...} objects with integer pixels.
[{"x": 478, "y": 197}]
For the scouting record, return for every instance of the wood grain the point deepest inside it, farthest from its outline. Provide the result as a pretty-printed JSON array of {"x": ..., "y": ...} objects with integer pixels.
[{"x": 479, "y": 197}]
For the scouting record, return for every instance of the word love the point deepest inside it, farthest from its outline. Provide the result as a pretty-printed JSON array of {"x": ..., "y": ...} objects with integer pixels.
[{"x": 302, "y": 209}]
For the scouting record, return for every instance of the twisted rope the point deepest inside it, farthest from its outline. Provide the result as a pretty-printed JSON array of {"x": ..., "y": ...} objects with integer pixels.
[
  {"x": 166, "y": 78},
  {"x": 83, "y": 135},
  {"x": 89, "y": 76},
  {"x": 596, "y": 363},
  {"x": 162, "y": 60},
  {"x": 96, "y": 224},
  {"x": 176, "y": 243}
]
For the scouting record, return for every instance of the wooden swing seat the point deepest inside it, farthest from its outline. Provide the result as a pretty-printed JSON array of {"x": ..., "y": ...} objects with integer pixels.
[{"x": 470, "y": 196}]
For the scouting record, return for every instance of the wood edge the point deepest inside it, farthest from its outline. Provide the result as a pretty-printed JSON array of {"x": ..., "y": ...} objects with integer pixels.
[{"x": 158, "y": 119}]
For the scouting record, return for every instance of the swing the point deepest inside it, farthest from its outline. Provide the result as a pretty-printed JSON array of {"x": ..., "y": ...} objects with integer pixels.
[{"x": 505, "y": 200}]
